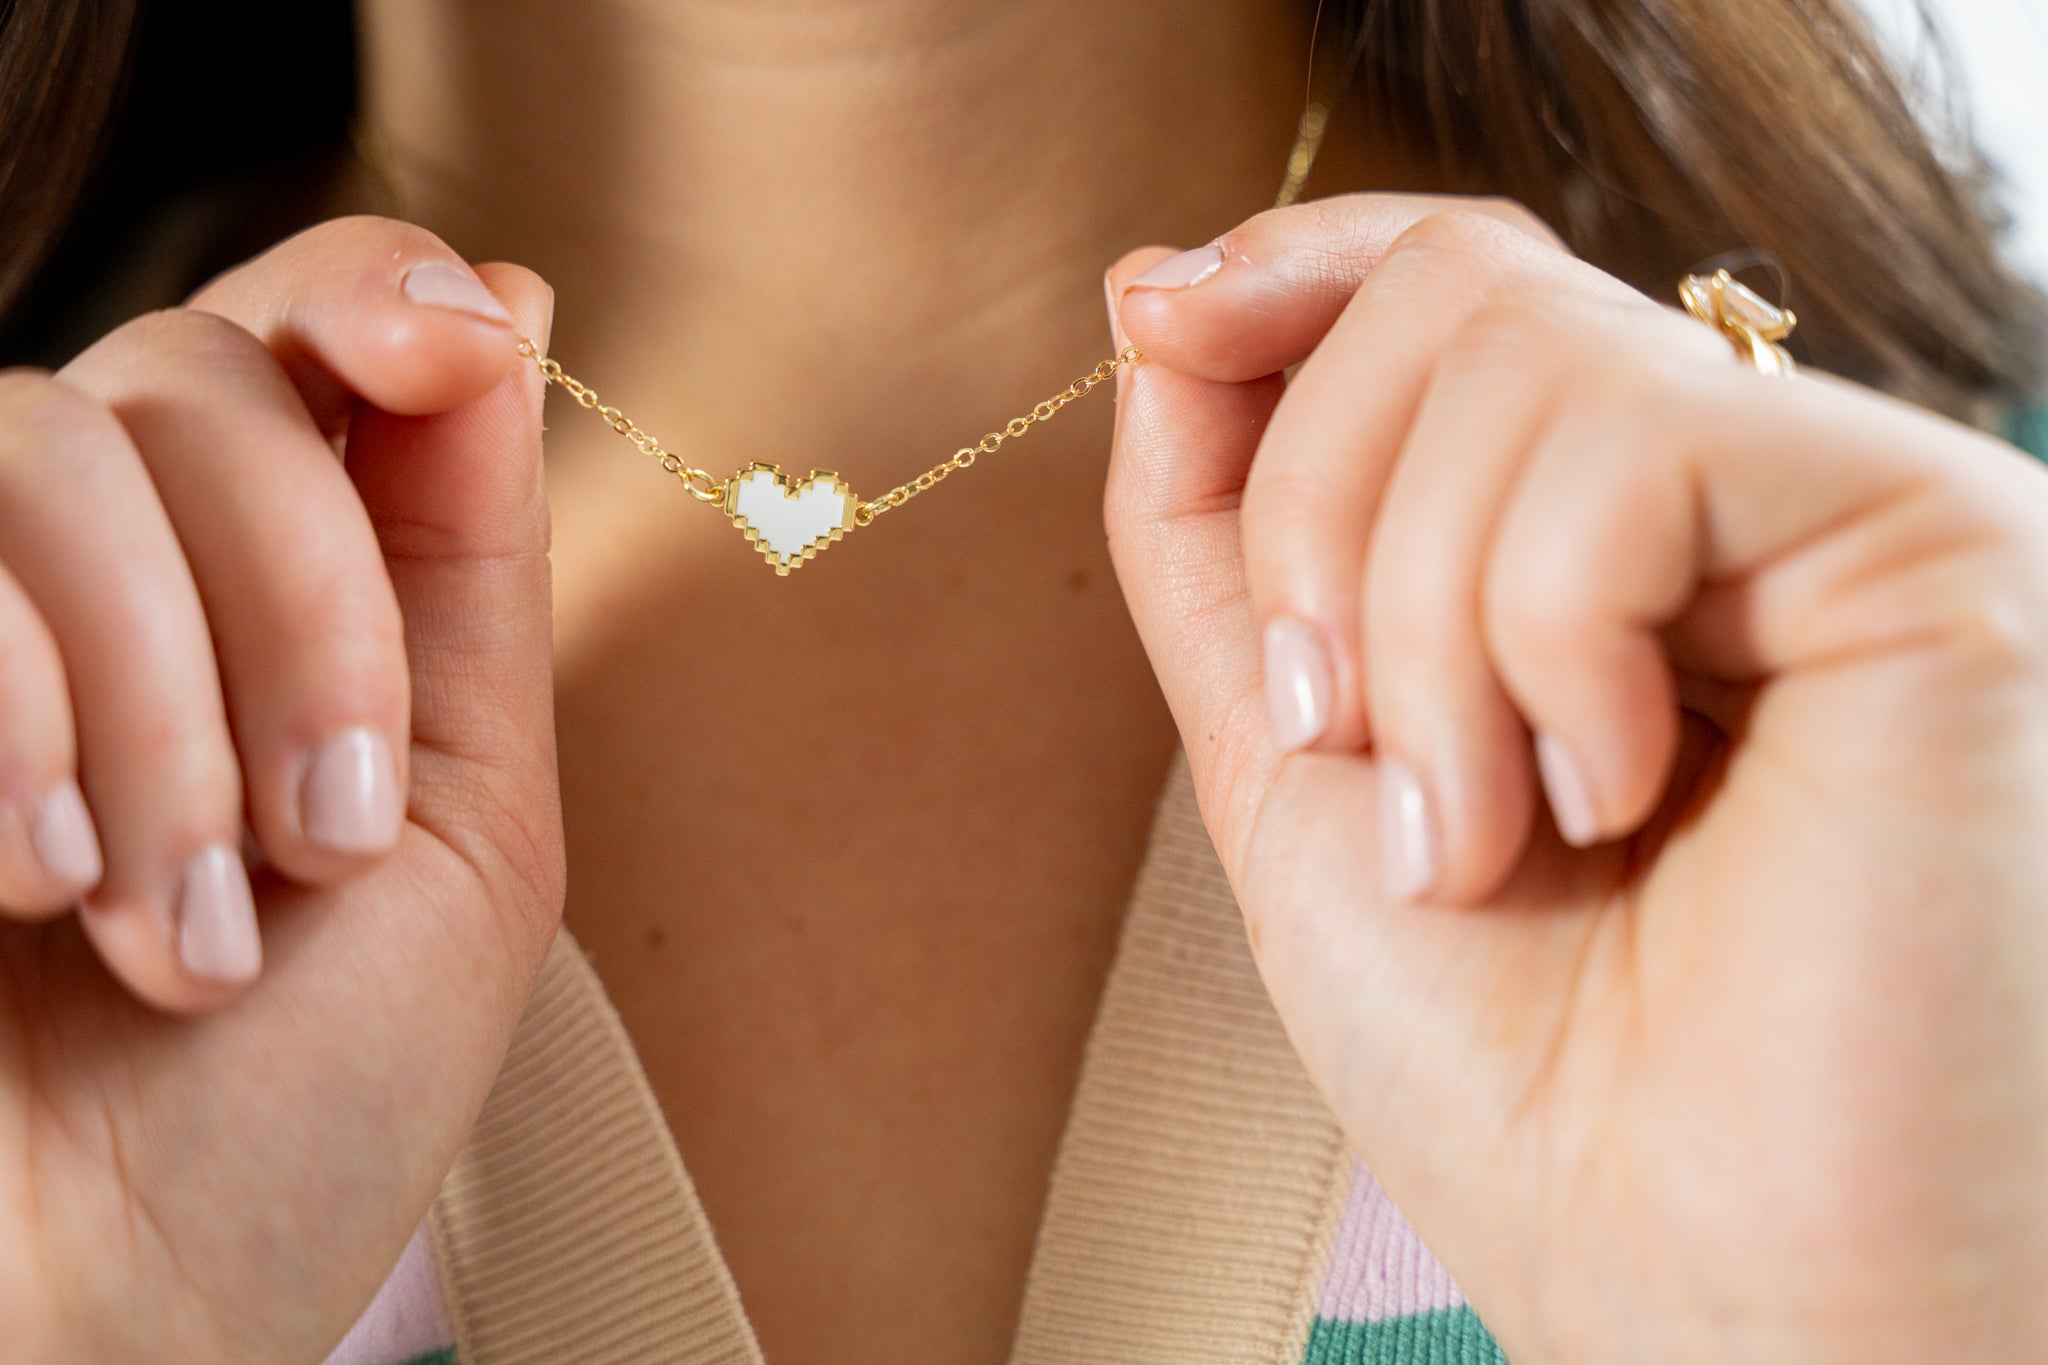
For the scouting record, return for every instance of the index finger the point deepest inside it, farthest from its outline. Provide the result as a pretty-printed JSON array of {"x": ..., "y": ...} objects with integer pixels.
[
  {"x": 370, "y": 308},
  {"x": 1270, "y": 288}
]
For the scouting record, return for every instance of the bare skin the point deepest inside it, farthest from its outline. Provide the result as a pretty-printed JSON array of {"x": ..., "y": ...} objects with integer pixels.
[
  {"x": 1631, "y": 768},
  {"x": 849, "y": 849}
]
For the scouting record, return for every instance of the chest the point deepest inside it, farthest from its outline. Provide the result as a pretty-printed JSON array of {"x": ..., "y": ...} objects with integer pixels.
[
  {"x": 854, "y": 897},
  {"x": 1203, "y": 1208}
]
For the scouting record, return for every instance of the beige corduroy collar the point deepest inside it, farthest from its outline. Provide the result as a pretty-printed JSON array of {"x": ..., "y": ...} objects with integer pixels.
[{"x": 1189, "y": 1217}]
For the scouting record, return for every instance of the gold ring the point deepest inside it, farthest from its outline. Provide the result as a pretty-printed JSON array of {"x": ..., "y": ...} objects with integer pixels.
[{"x": 1752, "y": 324}]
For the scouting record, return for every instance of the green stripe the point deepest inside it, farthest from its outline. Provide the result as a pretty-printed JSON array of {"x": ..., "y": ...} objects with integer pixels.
[
  {"x": 444, "y": 1356},
  {"x": 1450, "y": 1336},
  {"x": 2030, "y": 430}
]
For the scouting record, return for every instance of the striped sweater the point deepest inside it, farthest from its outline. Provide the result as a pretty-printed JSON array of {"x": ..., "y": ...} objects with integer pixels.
[{"x": 1203, "y": 1207}]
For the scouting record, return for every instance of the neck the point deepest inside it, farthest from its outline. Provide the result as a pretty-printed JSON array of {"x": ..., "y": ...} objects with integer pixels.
[
  {"x": 857, "y": 193},
  {"x": 851, "y": 235}
]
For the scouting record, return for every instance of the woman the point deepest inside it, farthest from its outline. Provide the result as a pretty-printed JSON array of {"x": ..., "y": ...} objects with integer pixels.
[{"x": 1629, "y": 766}]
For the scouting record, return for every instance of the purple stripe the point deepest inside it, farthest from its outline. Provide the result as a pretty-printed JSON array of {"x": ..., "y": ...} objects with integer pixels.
[
  {"x": 1379, "y": 1268},
  {"x": 407, "y": 1318}
]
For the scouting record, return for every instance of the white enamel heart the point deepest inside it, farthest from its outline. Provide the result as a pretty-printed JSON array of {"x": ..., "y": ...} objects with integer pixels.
[{"x": 787, "y": 521}]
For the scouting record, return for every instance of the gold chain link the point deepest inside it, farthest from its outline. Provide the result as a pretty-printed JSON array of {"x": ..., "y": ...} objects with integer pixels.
[
  {"x": 705, "y": 487},
  {"x": 965, "y": 457},
  {"x": 701, "y": 485},
  {"x": 711, "y": 490}
]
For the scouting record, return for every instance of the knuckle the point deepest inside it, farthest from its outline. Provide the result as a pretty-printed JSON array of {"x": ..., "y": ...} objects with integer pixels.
[
  {"x": 21, "y": 389},
  {"x": 1992, "y": 593},
  {"x": 43, "y": 415},
  {"x": 1285, "y": 498},
  {"x": 1530, "y": 611},
  {"x": 2002, "y": 626},
  {"x": 1402, "y": 620},
  {"x": 1338, "y": 235},
  {"x": 1323, "y": 240},
  {"x": 1507, "y": 330},
  {"x": 371, "y": 233},
  {"x": 1987, "y": 626},
  {"x": 188, "y": 330},
  {"x": 1359, "y": 220},
  {"x": 1295, "y": 536},
  {"x": 1523, "y": 219},
  {"x": 359, "y": 237},
  {"x": 143, "y": 349},
  {"x": 43, "y": 404},
  {"x": 1623, "y": 389},
  {"x": 1455, "y": 237}
]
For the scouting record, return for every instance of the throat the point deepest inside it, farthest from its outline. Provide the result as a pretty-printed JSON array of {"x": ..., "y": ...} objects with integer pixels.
[{"x": 901, "y": 207}]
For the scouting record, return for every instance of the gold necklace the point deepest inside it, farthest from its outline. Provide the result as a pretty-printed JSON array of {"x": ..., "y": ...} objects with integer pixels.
[{"x": 791, "y": 520}]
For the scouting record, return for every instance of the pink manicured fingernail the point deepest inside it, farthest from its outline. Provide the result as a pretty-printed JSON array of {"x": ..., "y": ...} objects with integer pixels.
[
  {"x": 348, "y": 801},
  {"x": 62, "y": 835},
  {"x": 216, "y": 918},
  {"x": 1178, "y": 272},
  {"x": 1408, "y": 835},
  {"x": 1299, "y": 682},
  {"x": 1571, "y": 796},
  {"x": 442, "y": 285}
]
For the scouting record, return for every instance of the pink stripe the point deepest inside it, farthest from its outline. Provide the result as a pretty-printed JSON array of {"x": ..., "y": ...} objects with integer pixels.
[
  {"x": 1379, "y": 1268},
  {"x": 406, "y": 1319}
]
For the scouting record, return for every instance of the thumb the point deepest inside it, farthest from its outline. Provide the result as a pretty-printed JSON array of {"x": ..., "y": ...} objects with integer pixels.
[
  {"x": 1178, "y": 462},
  {"x": 460, "y": 510}
]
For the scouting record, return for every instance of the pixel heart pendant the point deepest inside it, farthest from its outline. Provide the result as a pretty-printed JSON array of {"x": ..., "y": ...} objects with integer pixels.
[{"x": 788, "y": 520}]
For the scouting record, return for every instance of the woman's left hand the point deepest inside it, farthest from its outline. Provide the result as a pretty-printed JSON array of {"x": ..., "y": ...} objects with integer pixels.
[{"x": 1741, "y": 1053}]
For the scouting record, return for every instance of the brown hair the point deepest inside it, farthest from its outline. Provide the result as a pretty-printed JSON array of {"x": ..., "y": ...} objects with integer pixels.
[
  {"x": 61, "y": 67},
  {"x": 1656, "y": 133},
  {"x": 1651, "y": 133}
]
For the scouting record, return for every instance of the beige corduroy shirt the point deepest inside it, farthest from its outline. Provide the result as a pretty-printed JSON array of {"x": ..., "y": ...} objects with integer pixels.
[{"x": 1190, "y": 1214}]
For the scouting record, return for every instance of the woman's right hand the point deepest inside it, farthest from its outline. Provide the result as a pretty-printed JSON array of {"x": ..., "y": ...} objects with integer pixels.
[{"x": 211, "y": 1150}]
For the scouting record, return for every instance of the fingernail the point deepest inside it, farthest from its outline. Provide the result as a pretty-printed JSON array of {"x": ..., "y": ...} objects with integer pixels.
[
  {"x": 1408, "y": 842},
  {"x": 217, "y": 937},
  {"x": 62, "y": 835},
  {"x": 442, "y": 285},
  {"x": 1299, "y": 682},
  {"x": 1571, "y": 796},
  {"x": 1178, "y": 272},
  {"x": 348, "y": 801}
]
